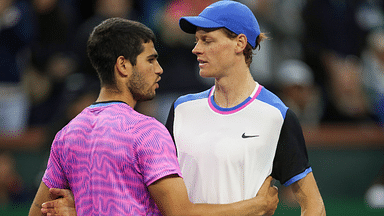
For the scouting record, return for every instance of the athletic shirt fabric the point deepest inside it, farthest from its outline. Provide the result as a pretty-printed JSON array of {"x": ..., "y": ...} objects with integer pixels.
[
  {"x": 107, "y": 156},
  {"x": 225, "y": 154}
]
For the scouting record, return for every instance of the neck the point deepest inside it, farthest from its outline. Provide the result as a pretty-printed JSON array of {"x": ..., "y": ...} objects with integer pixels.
[
  {"x": 113, "y": 94},
  {"x": 231, "y": 91}
]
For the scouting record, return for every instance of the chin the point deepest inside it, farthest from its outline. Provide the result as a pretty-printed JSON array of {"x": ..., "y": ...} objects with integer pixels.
[
  {"x": 203, "y": 74},
  {"x": 144, "y": 97}
]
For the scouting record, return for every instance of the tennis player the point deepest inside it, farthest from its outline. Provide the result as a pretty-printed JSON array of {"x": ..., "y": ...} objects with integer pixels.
[
  {"x": 117, "y": 161},
  {"x": 230, "y": 137}
]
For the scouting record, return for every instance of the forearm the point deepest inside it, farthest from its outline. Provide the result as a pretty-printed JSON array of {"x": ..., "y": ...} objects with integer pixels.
[
  {"x": 246, "y": 207},
  {"x": 308, "y": 196},
  {"x": 170, "y": 195},
  {"x": 41, "y": 196},
  {"x": 35, "y": 210},
  {"x": 315, "y": 207}
]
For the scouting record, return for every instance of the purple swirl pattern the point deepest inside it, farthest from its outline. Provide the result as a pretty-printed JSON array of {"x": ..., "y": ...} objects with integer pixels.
[{"x": 107, "y": 156}]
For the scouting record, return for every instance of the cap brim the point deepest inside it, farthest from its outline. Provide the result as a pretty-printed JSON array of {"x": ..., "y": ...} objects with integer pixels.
[{"x": 189, "y": 24}]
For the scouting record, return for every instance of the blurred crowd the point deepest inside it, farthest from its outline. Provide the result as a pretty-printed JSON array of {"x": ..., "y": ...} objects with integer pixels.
[{"x": 324, "y": 58}]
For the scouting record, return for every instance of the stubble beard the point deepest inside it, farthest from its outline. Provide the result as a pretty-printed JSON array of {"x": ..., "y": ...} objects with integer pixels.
[{"x": 139, "y": 88}]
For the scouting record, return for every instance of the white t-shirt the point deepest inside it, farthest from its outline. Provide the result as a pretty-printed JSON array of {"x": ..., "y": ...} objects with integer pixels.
[{"x": 225, "y": 154}]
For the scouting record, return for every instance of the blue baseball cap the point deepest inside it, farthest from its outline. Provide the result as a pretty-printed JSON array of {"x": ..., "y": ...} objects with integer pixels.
[{"x": 232, "y": 15}]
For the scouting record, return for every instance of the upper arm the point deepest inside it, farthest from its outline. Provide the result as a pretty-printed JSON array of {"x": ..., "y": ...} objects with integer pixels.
[
  {"x": 42, "y": 196},
  {"x": 170, "y": 195},
  {"x": 308, "y": 196}
]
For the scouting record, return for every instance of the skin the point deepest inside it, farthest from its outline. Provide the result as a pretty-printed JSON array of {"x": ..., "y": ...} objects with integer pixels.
[
  {"x": 308, "y": 196},
  {"x": 140, "y": 82}
]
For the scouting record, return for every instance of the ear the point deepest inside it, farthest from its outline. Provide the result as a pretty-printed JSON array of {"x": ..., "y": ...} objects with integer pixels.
[
  {"x": 123, "y": 66},
  {"x": 241, "y": 43}
]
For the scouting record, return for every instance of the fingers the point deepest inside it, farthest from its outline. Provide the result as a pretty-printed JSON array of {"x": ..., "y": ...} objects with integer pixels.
[
  {"x": 57, "y": 192},
  {"x": 48, "y": 211},
  {"x": 49, "y": 208},
  {"x": 273, "y": 191},
  {"x": 49, "y": 204}
]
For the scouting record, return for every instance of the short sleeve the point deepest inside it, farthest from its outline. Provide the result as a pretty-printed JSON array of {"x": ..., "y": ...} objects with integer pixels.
[
  {"x": 54, "y": 176},
  {"x": 155, "y": 151},
  {"x": 291, "y": 160}
]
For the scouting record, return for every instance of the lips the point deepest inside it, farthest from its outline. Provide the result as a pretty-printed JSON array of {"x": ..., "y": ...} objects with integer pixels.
[
  {"x": 157, "y": 82},
  {"x": 201, "y": 62}
]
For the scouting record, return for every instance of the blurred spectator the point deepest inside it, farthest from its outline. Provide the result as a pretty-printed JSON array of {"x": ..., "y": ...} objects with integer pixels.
[
  {"x": 54, "y": 26},
  {"x": 148, "y": 10},
  {"x": 346, "y": 100},
  {"x": 370, "y": 14},
  {"x": 102, "y": 9},
  {"x": 373, "y": 72},
  {"x": 51, "y": 61},
  {"x": 330, "y": 27},
  {"x": 16, "y": 33},
  {"x": 34, "y": 57},
  {"x": 283, "y": 23},
  {"x": 297, "y": 89},
  {"x": 175, "y": 48},
  {"x": 334, "y": 39},
  {"x": 45, "y": 82}
]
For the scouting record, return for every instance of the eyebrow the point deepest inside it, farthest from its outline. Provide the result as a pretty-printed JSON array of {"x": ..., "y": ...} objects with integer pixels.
[
  {"x": 202, "y": 37},
  {"x": 154, "y": 55}
]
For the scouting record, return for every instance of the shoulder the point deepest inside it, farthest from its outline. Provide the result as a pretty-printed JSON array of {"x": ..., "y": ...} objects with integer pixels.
[
  {"x": 192, "y": 97},
  {"x": 273, "y": 100}
]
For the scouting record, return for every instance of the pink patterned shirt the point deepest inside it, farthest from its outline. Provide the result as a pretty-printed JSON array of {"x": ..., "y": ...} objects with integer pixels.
[{"x": 107, "y": 156}]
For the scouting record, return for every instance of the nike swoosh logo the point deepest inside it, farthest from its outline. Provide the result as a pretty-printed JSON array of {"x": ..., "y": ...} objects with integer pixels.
[{"x": 248, "y": 136}]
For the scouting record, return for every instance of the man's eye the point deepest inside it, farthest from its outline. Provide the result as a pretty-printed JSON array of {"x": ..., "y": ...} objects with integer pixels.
[{"x": 207, "y": 41}]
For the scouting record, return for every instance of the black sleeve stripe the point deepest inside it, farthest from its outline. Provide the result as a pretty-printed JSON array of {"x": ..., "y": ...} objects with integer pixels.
[
  {"x": 291, "y": 158},
  {"x": 169, "y": 123}
]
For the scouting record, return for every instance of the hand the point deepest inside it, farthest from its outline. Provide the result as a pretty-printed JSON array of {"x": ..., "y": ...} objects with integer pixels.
[
  {"x": 268, "y": 194},
  {"x": 63, "y": 203}
]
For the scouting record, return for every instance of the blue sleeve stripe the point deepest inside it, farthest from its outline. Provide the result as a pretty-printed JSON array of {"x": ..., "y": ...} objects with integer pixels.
[{"x": 298, "y": 177}]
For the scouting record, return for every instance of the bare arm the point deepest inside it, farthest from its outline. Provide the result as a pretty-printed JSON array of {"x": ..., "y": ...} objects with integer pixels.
[
  {"x": 42, "y": 196},
  {"x": 308, "y": 196},
  {"x": 170, "y": 195}
]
